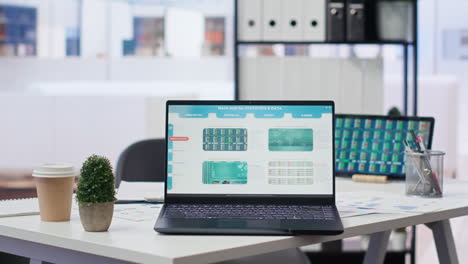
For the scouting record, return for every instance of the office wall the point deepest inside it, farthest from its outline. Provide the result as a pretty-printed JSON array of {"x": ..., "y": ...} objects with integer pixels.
[
  {"x": 18, "y": 74},
  {"x": 42, "y": 128},
  {"x": 125, "y": 91},
  {"x": 180, "y": 69},
  {"x": 95, "y": 37},
  {"x": 437, "y": 16}
]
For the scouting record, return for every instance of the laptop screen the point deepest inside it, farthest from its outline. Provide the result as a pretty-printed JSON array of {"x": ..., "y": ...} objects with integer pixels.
[{"x": 250, "y": 149}]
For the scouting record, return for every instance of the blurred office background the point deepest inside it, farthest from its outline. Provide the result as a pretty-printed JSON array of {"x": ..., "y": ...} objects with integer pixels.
[{"x": 91, "y": 76}]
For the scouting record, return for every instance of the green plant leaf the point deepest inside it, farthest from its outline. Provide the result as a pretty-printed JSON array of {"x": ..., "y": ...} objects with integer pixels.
[{"x": 96, "y": 184}]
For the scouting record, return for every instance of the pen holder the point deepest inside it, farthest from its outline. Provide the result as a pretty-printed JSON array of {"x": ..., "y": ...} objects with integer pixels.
[{"x": 425, "y": 173}]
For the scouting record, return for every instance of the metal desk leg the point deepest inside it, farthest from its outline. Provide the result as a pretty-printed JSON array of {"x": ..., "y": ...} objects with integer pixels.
[
  {"x": 444, "y": 241},
  {"x": 377, "y": 248}
]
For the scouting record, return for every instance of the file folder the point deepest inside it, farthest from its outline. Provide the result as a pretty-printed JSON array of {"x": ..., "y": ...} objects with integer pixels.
[
  {"x": 271, "y": 20},
  {"x": 270, "y": 78},
  {"x": 293, "y": 82},
  {"x": 291, "y": 20},
  {"x": 314, "y": 23},
  {"x": 351, "y": 86},
  {"x": 248, "y": 89},
  {"x": 373, "y": 86},
  {"x": 336, "y": 20},
  {"x": 249, "y": 24},
  {"x": 312, "y": 77},
  {"x": 302, "y": 78},
  {"x": 261, "y": 78},
  {"x": 331, "y": 89},
  {"x": 355, "y": 20}
]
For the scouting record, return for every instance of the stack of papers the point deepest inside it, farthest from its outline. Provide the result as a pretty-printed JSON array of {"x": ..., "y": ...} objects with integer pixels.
[
  {"x": 19, "y": 207},
  {"x": 141, "y": 191}
]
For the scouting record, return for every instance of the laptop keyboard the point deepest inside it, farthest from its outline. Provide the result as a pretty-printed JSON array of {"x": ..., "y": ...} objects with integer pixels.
[{"x": 242, "y": 211}]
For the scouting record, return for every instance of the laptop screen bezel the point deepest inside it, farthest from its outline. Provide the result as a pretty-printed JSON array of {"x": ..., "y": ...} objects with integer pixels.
[
  {"x": 255, "y": 198},
  {"x": 382, "y": 117}
]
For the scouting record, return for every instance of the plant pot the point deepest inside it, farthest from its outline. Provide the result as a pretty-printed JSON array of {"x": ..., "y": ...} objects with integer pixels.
[{"x": 96, "y": 217}]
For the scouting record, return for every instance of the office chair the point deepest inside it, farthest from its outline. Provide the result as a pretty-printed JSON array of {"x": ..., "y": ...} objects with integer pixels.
[{"x": 142, "y": 161}]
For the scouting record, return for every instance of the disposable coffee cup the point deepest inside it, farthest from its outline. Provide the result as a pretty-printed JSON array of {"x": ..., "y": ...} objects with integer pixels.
[{"x": 54, "y": 184}]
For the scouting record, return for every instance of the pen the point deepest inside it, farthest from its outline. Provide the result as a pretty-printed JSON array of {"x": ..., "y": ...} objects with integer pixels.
[
  {"x": 418, "y": 170},
  {"x": 421, "y": 143},
  {"x": 415, "y": 139}
]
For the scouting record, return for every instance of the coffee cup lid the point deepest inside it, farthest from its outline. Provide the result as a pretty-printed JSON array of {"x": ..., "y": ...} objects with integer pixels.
[{"x": 55, "y": 170}]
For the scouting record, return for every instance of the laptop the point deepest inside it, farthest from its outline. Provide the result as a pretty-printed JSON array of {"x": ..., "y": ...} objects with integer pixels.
[
  {"x": 250, "y": 167},
  {"x": 374, "y": 145}
]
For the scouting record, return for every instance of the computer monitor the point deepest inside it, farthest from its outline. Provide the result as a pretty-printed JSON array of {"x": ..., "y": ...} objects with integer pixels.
[
  {"x": 366, "y": 144},
  {"x": 241, "y": 148}
]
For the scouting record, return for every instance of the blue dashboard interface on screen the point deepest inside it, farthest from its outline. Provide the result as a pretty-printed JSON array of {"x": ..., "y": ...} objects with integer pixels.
[
  {"x": 250, "y": 149},
  {"x": 375, "y": 146}
]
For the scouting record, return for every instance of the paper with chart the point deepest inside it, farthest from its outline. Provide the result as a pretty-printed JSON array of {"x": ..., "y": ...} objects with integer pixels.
[
  {"x": 350, "y": 211},
  {"x": 137, "y": 212},
  {"x": 380, "y": 202}
]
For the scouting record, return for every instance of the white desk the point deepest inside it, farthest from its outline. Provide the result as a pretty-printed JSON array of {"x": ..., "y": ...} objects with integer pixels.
[{"x": 129, "y": 241}]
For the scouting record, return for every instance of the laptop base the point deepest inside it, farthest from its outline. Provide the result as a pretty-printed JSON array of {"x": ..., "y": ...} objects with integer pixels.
[{"x": 230, "y": 226}]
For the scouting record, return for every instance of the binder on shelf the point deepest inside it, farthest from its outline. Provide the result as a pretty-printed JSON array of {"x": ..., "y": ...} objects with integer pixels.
[
  {"x": 336, "y": 20},
  {"x": 248, "y": 89},
  {"x": 249, "y": 24},
  {"x": 312, "y": 77},
  {"x": 373, "y": 86},
  {"x": 291, "y": 20},
  {"x": 293, "y": 83},
  {"x": 270, "y": 78},
  {"x": 355, "y": 20},
  {"x": 271, "y": 20},
  {"x": 314, "y": 23},
  {"x": 330, "y": 74},
  {"x": 351, "y": 86}
]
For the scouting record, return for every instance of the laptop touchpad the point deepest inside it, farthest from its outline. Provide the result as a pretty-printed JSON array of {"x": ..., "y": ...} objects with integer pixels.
[{"x": 232, "y": 223}]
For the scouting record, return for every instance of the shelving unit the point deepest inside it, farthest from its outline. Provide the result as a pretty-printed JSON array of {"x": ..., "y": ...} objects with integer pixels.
[{"x": 406, "y": 47}]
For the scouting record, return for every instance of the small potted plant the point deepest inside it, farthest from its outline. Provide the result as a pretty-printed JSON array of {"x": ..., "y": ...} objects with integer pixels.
[{"x": 96, "y": 194}]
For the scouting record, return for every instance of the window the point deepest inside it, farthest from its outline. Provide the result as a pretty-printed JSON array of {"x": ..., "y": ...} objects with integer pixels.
[
  {"x": 214, "y": 36},
  {"x": 114, "y": 28},
  {"x": 18, "y": 30},
  {"x": 148, "y": 37}
]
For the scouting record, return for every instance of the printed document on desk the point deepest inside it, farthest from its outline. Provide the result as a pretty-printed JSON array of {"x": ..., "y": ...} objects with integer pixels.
[
  {"x": 381, "y": 202},
  {"x": 141, "y": 191},
  {"x": 137, "y": 212},
  {"x": 19, "y": 207}
]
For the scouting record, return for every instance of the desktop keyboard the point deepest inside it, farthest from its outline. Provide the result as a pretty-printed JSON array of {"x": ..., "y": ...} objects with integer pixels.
[{"x": 242, "y": 211}]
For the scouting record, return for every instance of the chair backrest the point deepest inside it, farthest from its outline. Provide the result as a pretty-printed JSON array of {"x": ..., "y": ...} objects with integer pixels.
[{"x": 142, "y": 161}]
